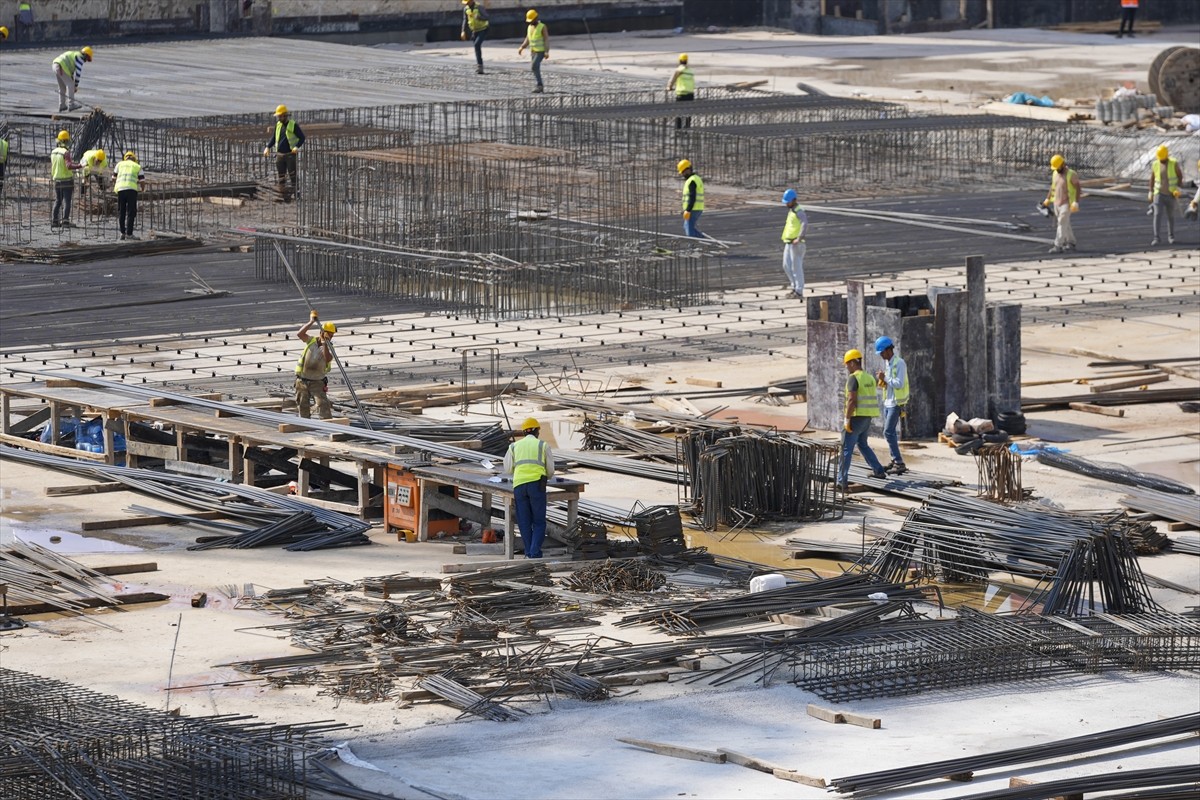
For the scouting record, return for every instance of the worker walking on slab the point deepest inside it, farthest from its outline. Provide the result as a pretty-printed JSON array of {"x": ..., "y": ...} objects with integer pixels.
[
  {"x": 794, "y": 247},
  {"x": 312, "y": 367},
  {"x": 862, "y": 406},
  {"x": 475, "y": 24},
  {"x": 286, "y": 141},
  {"x": 93, "y": 162},
  {"x": 127, "y": 184},
  {"x": 62, "y": 169},
  {"x": 1165, "y": 179},
  {"x": 530, "y": 461},
  {"x": 893, "y": 379},
  {"x": 693, "y": 198},
  {"x": 537, "y": 39},
  {"x": 68, "y": 70},
  {"x": 683, "y": 83},
  {"x": 1063, "y": 197},
  {"x": 1128, "y": 12}
]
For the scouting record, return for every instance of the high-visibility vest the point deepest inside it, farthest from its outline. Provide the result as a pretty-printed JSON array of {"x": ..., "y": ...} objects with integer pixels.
[
  {"x": 290, "y": 131},
  {"x": 59, "y": 170},
  {"x": 89, "y": 162},
  {"x": 699, "y": 204},
  {"x": 475, "y": 20},
  {"x": 67, "y": 61},
  {"x": 529, "y": 460},
  {"x": 1129, "y": 3},
  {"x": 685, "y": 81},
  {"x": 867, "y": 404},
  {"x": 1067, "y": 176},
  {"x": 793, "y": 228},
  {"x": 127, "y": 175},
  {"x": 537, "y": 37},
  {"x": 891, "y": 369},
  {"x": 312, "y": 342},
  {"x": 3, "y": 151},
  {"x": 1172, "y": 176}
]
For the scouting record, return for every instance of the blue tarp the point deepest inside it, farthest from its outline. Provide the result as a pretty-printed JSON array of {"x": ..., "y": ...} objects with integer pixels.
[
  {"x": 1024, "y": 99},
  {"x": 89, "y": 433}
]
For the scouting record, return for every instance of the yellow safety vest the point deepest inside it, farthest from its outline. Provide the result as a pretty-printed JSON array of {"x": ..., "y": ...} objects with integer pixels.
[
  {"x": 529, "y": 460},
  {"x": 537, "y": 37},
  {"x": 289, "y": 131},
  {"x": 696, "y": 179},
  {"x": 867, "y": 404},
  {"x": 59, "y": 170},
  {"x": 685, "y": 81},
  {"x": 312, "y": 341},
  {"x": 892, "y": 369},
  {"x": 127, "y": 175},
  {"x": 793, "y": 228},
  {"x": 67, "y": 61},
  {"x": 89, "y": 162},
  {"x": 1172, "y": 176},
  {"x": 474, "y": 20},
  {"x": 1066, "y": 176},
  {"x": 3, "y": 151}
]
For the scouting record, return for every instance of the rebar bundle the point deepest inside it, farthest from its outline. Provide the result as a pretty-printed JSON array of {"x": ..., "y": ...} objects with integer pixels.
[
  {"x": 612, "y": 577},
  {"x": 599, "y": 434},
  {"x": 1117, "y": 473},
  {"x": 999, "y": 473}
]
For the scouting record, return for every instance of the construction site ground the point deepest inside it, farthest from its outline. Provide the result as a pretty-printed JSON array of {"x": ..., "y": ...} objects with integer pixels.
[{"x": 1114, "y": 299}]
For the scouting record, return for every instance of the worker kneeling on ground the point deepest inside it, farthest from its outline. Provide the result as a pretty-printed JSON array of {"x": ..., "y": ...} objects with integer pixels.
[
  {"x": 311, "y": 368},
  {"x": 531, "y": 463}
]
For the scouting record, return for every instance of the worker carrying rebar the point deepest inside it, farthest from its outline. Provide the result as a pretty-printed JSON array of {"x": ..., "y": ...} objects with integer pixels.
[
  {"x": 1063, "y": 197},
  {"x": 862, "y": 406},
  {"x": 683, "y": 83},
  {"x": 693, "y": 198},
  {"x": 530, "y": 462},
  {"x": 127, "y": 185},
  {"x": 893, "y": 380},
  {"x": 475, "y": 26},
  {"x": 1193, "y": 209},
  {"x": 1165, "y": 180},
  {"x": 94, "y": 162},
  {"x": 68, "y": 71},
  {"x": 312, "y": 367},
  {"x": 537, "y": 39},
  {"x": 286, "y": 141},
  {"x": 62, "y": 173},
  {"x": 794, "y": 229}
]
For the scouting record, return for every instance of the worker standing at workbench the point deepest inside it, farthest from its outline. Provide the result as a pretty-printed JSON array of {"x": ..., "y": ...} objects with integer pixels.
[
  {"x": 862, "y": 406},
  {"x": 1165, "y": 179},
  {"x": 285, "y": 143},
  {"x": 475, "y": 26},
  {"x": 530, "y": 461},
  {"x": 537, "y": 39},
  {"x": 693, "y": 198},
  {"x": 683, "y": 83},
  {"x": 62, "y": 168},
  {"x": 312, "y": 367},
  {"x": 1063, "y": 196},
  {"x": 68, "y": 71}
]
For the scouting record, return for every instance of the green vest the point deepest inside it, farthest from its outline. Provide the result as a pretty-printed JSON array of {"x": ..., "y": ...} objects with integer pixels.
[
  {"x": 289, "y": 131},
  {"x": 537, "y": 37},
  {"x": 792, "y": 229},
  {"x": 474, "y": 20},
  {"x": 529, "y": 460},
  {"x": 59, "y": 170},
  {"x": 310, "y": 344},
  {"x": 127, "y": 175},
  {"x": 3, "y": 151},
  {"x": 891, "y": 369},
  {"x": 696, "y": 179},
  {"x": 67, "y": 61},
  {"x": 89, "y": 162},
  {"x": 1172, "y": 176},
  {"x": 867, "y": 404},
  {"x": 685, "y": 82}
]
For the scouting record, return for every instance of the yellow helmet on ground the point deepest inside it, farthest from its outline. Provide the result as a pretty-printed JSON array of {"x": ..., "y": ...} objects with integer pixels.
[
  {"x": 530, "y": 15},
  {"x": 64, "y": 136},
  {"x": 130, "y": 155},
  {"x": 683, "y": 58},
  {"x": 329, "y": 327},
  {"x": 101, "y": 157},
  {"x": 852, "y": 355},
  {"x": 682, "y": 165},
  {"x": 280, "y": 110},
  {"x": 530, "y": 424},
  {"x": 1162, "y": 152},
  {"x": 1056, "y": 161},
  {"x": 87, "y": 53}
]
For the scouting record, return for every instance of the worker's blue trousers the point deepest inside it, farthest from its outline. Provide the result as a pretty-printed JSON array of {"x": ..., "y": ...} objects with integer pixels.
[{"x": 530, "y": 500}]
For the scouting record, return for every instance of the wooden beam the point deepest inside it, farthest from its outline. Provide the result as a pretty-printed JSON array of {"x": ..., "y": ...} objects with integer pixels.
[
  {"x": 703, "y": 382},
  {"x": 30, "y": 422},
  {"x": 1095, "y": 409},
  {"x": 1130, "y": 384},
  {"x": 87, "y": 602},
  {"x": 677, "y": 751},
  {"x": 799, "y": 777},
  {"x": 750, "y": 762},
  {"x": 90, "y": 488},
  {"x": 53, "y": 449}
]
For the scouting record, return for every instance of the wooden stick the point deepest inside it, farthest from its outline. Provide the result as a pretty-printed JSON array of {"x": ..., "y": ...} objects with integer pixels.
[
  {"x": 677, "y": 751},
  {"x": 1130, "y": 384},
  {"x": 1094, "y": 409},
  {"x": 799, "y": 777},
  {"x": 89, "y": 488}
]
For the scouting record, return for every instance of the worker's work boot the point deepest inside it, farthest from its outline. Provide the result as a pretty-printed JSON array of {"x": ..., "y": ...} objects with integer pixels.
[
  {"x": 75, "y": 106},
  {"x": 479, "y": 69},
  {"x": 538, "y": 90},
  {"x": 1055, "y": 249},
  {"x": 62, "y": 107},
  {"x": 897, "y": 468},
  {"x": 1154, "y": 242},
  {"x": 1170, "y": 240}
]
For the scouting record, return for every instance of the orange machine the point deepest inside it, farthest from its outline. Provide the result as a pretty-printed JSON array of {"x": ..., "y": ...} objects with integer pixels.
[{"x": 402, "y": 507}]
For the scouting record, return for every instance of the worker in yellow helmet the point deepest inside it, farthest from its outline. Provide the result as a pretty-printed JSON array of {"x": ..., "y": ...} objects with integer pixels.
[
  {"x": 1165, "y": 179},
  {"x": 537, "y": 39},
  {"x": 693, "y": 198},
  {"x": 475, "y": 26},
  {"x": 3, "y": 33},
  {"x": 127, "y": 184},
  {"x": 62, "y": 173},
  {"x": 94, "y": 166},
  {"x": 1193, "y": 209},
  {"x": 312, "y": 367},
  {"x": 683, "y": 84},
  {"x": 3, "y": 156},
  {"x": 1063, "y": 197},
  {"x": 862, "y": 408},
  {"x": 530, "y": 462},
  {"x": 68, "y": 71},
  {"x": 286, "y": 141}
]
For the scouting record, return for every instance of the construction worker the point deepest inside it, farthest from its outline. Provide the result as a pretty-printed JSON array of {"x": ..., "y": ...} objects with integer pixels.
[
  {"x": 1165, "y": 179},
  {"x": 3, "y": 34},
  {"x": 862, "y": 406},
  {"x": 475, "y": 24},
  {"x": 93, "y": 162},
  {"x": 1128, "y": 12},
  {"x": 286, "y": 141},
  {"x": 531, "y": 463},
  {"x": 312, "y": 367},
  {"x": 893, "y": 379},
  {"x": 683, "y": 83},
  {"x": 693, "y": 198},
  {"x": 127, "y": 184},
  {"x": 793, "y": 242},
  {"x": 24, "y": 21},
  {"x": 537, "y": 39},
  {"x": 1063, "y": 197},
  {"x": 3, "y": 156},
  {"x": 68, "y": 70},
  {"x": 1193, "y": 209},
  {"x": 62, "y": 168}
]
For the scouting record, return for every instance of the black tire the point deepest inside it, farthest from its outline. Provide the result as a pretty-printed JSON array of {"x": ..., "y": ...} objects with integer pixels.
[
  {"x": 969, "y": 448},
  {"x": 1012, "y": 422},
  {"x": 996, "y": 437},
  {"x": 962, "y": 438}
]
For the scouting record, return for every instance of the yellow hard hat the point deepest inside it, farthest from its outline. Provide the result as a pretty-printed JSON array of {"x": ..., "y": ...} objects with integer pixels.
[
  {"x": 3, "y": 32},
  {"x": 87, "y": 53},
  {"x": 1162, "y": 152},
  {"x": 130, "y": 155},
  {"x": 1056, "y": 161},
  {"x": 852, "y": 355},
  {"x": 100, "y": 157},
  {"x": 530, "y": 424},
  {"x": 682, "y": 165},
  {"x": 683, "y": 58},
  {"x": 530, "y": 15},
  {"x": 329, "y": 327},
  {"x": 64, "y": 136},
  {"x": 280, "y": 110}
]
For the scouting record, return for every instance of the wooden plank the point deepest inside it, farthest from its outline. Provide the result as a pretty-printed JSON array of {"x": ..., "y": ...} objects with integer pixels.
[
  {"x": 30, "y": 422},
  {"x": 862, "y": 720},
  {"x": 293, "y": 427},
  {"x": 703, "y": 382},
  {"x": 65, "y": 383},
  {"x": 1174, "y": 527},
  {"x": 90, "y": 488},
  {"x": 139, "y": 522},
  {"x": 167, "y": 452},
  {"x": 677, "y": 405},
  {"x": 799, "y": 777},
  {"x": 676, "y": 751},
  {"x": 825, "y": 714},
  {"x": 1094, "y": 409},
  {"x": 53, "y": 449},
  {"x": 127, "y": 569},
  {"x": 551, "y": 564},
  {"x": 750, "y": 762},
  {"x": 88, "y": 602},
  {"x": 199, "y": 470},
  {"x": 1130, "y": 384}
]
